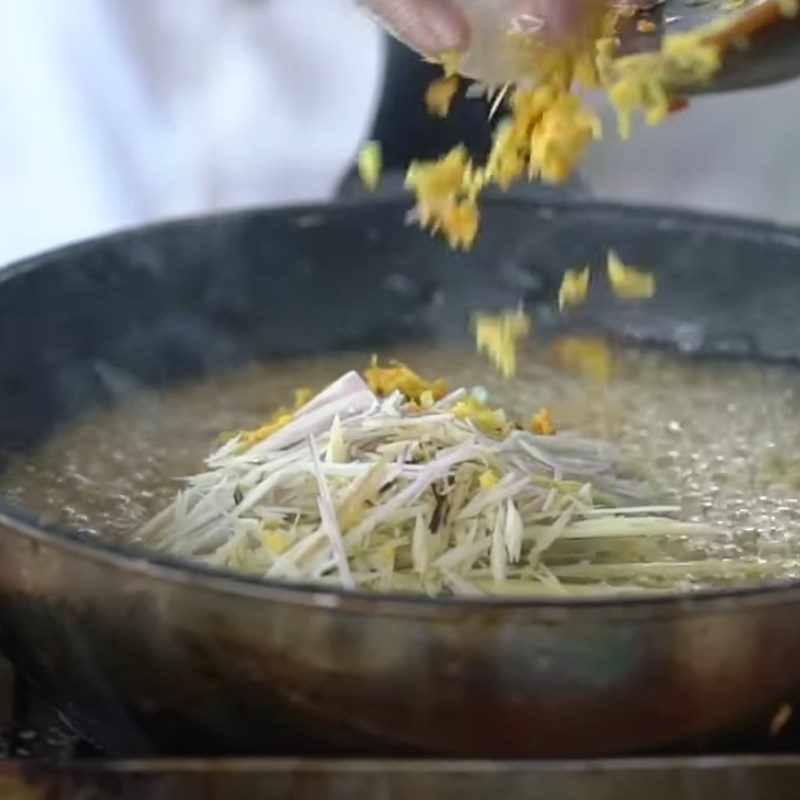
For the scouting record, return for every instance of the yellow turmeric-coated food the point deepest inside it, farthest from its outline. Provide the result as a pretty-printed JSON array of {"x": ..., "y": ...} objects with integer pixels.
[
  {"x": 644, "y": 82},
  {"x": 280, "y": 418},
  {"x": 277, "y": 542},
  {"x": 548, "y": 129},
  {"x": 370, "y": 165},
  {"x": 542, "y": 423},
  {"x": 398, "y": 377},
  {"x": 440, "y": 94},
  {"x": 628, "y": 282},
  {"x": 586, "y": 357},
  {"x": 488, "y": 480},
  {"x": 447, "y": 192},
  {"x": 498, "y": 337},
  {"x": 450, "y": 62},
  {"x": 492, "y": 421},
  {"x": 574, "y": 288}
]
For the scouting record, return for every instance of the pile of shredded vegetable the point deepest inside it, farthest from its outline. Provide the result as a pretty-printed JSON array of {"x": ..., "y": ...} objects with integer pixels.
[{"x": 391, "y": 483}]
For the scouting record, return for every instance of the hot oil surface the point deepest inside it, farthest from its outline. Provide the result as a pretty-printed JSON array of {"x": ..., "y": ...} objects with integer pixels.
[{"x": 719, "y": 439}]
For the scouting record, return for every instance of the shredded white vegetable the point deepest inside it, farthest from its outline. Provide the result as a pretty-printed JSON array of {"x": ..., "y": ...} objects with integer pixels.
[{"x": 379, "y": 494}]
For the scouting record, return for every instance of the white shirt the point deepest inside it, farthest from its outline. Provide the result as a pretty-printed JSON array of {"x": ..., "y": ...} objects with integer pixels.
[{"x": 117, "y": 112}]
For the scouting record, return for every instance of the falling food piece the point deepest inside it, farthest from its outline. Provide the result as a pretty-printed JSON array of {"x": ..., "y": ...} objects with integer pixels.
[
  {"x": 558, "y": 140},
  {"x": 450, "y": 61},
  {"x": 439, "y": 96},
  {"x": 542, "y": 423},
  {"x": 586, "y": 357},
  {"x": 398, "y": 377},
  {"x": 370, "y": 165},
  {"x": 574, "y": 288},
  {"x": 627, "y": 282},
  {"x": 548, "y": 128},
  {"x": 447, "y": 192},
  {"x": 460, "y": 223},
  {"x": 545, "y": 136},
  {"x": 498, "y": 336}
]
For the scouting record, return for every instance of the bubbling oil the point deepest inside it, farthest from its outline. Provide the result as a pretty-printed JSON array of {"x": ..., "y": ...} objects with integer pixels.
[{"x": 721, "y": 440}]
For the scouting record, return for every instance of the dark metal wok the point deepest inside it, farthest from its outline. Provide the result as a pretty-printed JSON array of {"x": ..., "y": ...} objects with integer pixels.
[{"x": 150, "y": 653}]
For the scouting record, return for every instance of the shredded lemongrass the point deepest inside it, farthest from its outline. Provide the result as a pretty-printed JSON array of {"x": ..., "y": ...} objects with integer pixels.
[{"x": 367, "y": 490}]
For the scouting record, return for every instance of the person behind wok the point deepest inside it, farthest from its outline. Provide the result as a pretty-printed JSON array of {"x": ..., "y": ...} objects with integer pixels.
[{"x": 117, "y": 114}]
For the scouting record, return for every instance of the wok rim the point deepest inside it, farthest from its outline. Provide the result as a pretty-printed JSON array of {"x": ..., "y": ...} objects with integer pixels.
[{"x": 150, "y": 564}]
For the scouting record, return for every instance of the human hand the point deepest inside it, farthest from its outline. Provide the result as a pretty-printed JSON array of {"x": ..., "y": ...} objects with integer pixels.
[{"x": 433, "y": 27}]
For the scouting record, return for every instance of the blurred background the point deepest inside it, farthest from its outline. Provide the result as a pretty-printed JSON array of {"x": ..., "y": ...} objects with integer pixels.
[{"x": 119, "y": 112}]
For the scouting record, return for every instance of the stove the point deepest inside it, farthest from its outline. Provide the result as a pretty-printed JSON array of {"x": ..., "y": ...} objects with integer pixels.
[{"x": 43, "y": 756}]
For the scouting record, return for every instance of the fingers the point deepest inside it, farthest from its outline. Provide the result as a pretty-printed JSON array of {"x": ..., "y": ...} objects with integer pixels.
[
  {"x": 433, "y": 27},
  {"x": 550, "y": 18},
  {"x": 430, "y": 26},
  {"x": 556, "y": 19},
  {"x": 560, "y": 18}
]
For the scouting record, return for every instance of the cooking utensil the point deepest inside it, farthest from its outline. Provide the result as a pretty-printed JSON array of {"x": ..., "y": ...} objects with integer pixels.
[
  {"x": 761, "y": 48},
  {"x": 151, "y": 653}
]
